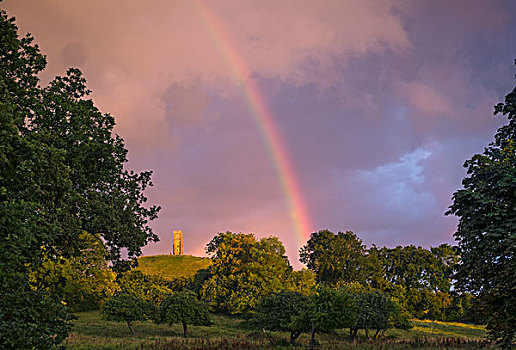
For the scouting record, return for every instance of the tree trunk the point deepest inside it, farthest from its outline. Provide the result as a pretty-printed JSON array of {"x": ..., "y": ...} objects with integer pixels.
[
  {"x": 376, "y": 334},
  {"x": 131, "y": 327},
  {"x": 355, "y": 331},
  {"x": 367, "y": 333},
  {"x": 312, "y": 337},
  {"x": 185, "y": 329},
  {"x": 293, "y": 336}
]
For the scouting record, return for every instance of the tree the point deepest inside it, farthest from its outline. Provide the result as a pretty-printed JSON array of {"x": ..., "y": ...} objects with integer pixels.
[
  {"x": 375, "y": 310},
  {"x": 184, "y": 307},
  {"x": 330, "y": 309},
  {"x": 84, "y": 281},
  {"x": 146, "y": 287},
  {"x": 61, "y": 174},
  {"x": 282, "y": 311},
  {"x": 418, "y": 278},
  {"x": 243, "y": 270},
  {"x": 336, "y": 257},
  {"x": 30, "y": 318},
  {"x": 486, "y": 232},
  {"x": 303, "y": 282},
  {"x": 125, "y": 307}
]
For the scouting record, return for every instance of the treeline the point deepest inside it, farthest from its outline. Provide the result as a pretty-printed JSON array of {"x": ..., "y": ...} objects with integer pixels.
[
  {"x": 419, "y": 279},
  {"x": 346, "y": 285},
  {"x": 245, "y": 269}
]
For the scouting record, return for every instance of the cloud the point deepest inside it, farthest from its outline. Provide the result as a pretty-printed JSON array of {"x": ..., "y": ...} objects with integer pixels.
[
  {"x": 395, "y": 191},
  {"x": 74, "y": 54},
  {"x": 185, "y": 104},
  {"x": 428, "y": 103},
  {"x": 378, "y": 104}
]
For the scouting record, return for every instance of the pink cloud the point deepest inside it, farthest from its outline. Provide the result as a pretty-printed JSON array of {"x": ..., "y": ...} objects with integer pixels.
[
  {"x": 132, "y": 53},
  {"x": 428, "y": 105},
  {"x": 352, "y": 85}
]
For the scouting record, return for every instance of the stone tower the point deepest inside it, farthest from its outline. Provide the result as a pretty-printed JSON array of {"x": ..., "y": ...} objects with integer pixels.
[{"x": 177, "y": 248}]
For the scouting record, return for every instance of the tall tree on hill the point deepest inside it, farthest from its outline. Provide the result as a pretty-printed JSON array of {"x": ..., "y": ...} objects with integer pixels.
[
  {"x": 61, "y": 173},
  {"x": 486, "y": 207}
]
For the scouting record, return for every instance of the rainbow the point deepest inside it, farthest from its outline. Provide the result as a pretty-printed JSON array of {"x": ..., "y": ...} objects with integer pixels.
[{"x": 263, "y": 119}]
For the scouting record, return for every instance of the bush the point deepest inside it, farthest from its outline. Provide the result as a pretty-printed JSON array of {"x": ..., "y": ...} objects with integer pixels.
[
  {"x": 129, "y": 308},
  {"x": 184, "y": 307},
  {"x": 282, "y": 312}
]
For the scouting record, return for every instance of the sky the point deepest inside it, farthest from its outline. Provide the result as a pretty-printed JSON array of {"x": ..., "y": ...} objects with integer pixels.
[{"x": 285, "y": 117}]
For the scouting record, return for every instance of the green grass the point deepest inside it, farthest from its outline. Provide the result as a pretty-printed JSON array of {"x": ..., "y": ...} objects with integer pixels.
[
  {"x": 172, "y": 266},
  {"x": 449, "y": 329},
  {"x": 91, "y": 332}
]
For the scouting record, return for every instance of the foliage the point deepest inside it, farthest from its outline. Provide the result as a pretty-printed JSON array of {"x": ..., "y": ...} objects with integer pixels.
[
  {"x": 184, "y": 307},
  {"x": 336, "y": 257},
  {"x": 193, "y": 283},
  {"x": 417, "y": 268},
  {"x": 462, "y": 308},
  {"x": 418, "y": 278},
  {"x": 376, "y": 310},
  {"x": 83, "y": 281},
  {"x": 372, "y": 309},
  {"x": 125, "y": 307},
  {"x": 243, "y": 270},
  {"x": 486, "y": 232},
  {"x": 282, "y": 311},
  {"x": 61, "y": 174},
  {"x": 303, "y": 282},
  {"x": 330, "y": 309},
  {"x": 29, "y": 317},
  {"x": 145, "y": 287}
]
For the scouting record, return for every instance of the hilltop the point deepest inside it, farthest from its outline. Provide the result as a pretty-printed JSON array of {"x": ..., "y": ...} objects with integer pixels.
[{"x": 172, "y": 266}]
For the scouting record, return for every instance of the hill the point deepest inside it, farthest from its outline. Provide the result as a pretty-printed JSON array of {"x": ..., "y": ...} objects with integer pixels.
[{"x": 172, "y": 266}]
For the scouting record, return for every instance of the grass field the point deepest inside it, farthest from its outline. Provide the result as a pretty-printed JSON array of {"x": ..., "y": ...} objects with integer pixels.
[
  {"x": 172, "y": 266},
  {"x": 91, "y": 332}
]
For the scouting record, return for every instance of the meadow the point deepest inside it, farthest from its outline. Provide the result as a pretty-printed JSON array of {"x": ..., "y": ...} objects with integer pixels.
[{"x": 91, "y": 332}]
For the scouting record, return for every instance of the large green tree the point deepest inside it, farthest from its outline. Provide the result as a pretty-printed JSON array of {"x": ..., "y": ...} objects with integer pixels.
[
  {"x": 374, "y": 310},
  {"x": 486, "y": 232},
  {"x": 61, "y": 174},
  {"x": 83, "y": 281},
  {"x": 146, "y": 287},
  {"x": 420, "y": 279},
  {"x": 184, "y": 307},
  {"x": 330, "y": 309},
  {"x": 243, "y": 270},
  {"x": 337, "y": 257},
  {"x": 283, "y": 311},
  {"x": 125, "y": 307}
]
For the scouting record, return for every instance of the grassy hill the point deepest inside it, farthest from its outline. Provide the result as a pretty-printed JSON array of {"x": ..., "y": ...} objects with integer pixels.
[{"x": 172, "y": 266}]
